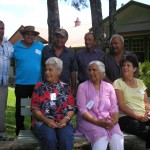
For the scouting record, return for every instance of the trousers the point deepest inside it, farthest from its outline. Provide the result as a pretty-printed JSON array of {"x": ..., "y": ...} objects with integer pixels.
[
  {"x": 3, "y": 103},
  {"x": 52, "y": 138},
  {"x": 21, "y": 91},
  {"x": 136, "y": 127}
]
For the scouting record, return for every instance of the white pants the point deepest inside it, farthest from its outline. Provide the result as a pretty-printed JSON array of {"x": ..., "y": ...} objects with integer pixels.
[{"x": 115, "y": 143}]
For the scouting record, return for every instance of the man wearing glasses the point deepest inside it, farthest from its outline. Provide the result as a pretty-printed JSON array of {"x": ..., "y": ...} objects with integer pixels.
[{"x": 27, "y": 56}]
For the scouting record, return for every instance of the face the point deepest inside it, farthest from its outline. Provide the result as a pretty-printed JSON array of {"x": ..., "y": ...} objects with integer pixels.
[
  {"x": 52, "y": 74},
  {"x": 128, "y": 69},
  {"x": 1, "y": 30},
  {"x": 94, "y": 73},
  {"x": 117, "y": 46},
  {"x": 29, "y": 37},
  {"x": 60, "y": 40},
  {"x": 89, "y": 41}
]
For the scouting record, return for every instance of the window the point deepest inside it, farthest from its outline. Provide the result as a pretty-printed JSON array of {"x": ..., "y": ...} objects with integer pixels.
[{"x": 138, "y": 45}]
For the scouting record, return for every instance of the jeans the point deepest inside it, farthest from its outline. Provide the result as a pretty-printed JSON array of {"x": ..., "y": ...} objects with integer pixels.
[
  {"x": 52, "y": 138},
  {"x": 21, "y": 91},
  {"x": 136, "y": 127}
]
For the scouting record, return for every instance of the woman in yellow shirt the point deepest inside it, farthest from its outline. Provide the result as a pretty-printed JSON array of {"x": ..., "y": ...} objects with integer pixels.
[{"x": 133, "y": 101}]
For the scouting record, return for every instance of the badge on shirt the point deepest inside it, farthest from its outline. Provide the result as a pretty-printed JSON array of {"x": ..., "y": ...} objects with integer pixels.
[
  {"x": 53, "y": 96},
  {"x": 90, "y": 104},
  {"x": 38, "y": 51},
  {"x": 141, "y": 91}
]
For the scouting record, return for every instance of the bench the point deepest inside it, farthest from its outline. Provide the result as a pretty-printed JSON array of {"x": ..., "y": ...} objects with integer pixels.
[{"x": 27, "y": 136}]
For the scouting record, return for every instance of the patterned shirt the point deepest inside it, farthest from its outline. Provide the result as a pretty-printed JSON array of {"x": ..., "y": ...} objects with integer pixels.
[
  {"x": 54, "y": 101},
  {"x": 6, "y": 52}
]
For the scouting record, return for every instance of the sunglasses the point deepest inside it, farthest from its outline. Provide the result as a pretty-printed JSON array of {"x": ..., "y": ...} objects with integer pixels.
[{"x": 30, "y": 34}]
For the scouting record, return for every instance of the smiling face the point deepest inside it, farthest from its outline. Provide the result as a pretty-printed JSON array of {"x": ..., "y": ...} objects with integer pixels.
[
  {"x": 117, "y": 45},
  {"x": 29, "y": 37},
  {"x": 52, "y": 74},
  {"x": 60, "y": 40},
  {"x": 89, "y": 41},
  {"x": 128, "y": 69},
  {"x": 94, "y": 74}
]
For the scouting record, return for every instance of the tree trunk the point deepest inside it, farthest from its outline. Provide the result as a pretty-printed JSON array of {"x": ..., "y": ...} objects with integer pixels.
[
  {"x": 53, "y": 20},
  {"x": 97, "y": 27},
  {"x": 112, "y": 17}
]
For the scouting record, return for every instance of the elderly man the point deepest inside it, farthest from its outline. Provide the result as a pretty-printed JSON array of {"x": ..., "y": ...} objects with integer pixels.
[
  {"x": 6, "y": 52},
  {"x": 59, "y": 50},
  {"x": 27, "y": 56},
  {"x": 86, "y": 55},
  {"x": 112, "y": 59}
]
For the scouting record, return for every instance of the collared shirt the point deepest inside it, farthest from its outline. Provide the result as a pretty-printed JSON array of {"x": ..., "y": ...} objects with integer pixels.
[
  {"x": 6, "y": 52},
  {"x": 54, "y": 101},
  {"x": 112, "y": 69},
  {"x": 84, "y": 57},
  {"x": 68, "y": 58}
]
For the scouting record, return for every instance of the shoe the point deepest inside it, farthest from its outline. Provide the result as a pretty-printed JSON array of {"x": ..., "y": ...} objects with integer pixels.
[{"x": 5, "y": 139}]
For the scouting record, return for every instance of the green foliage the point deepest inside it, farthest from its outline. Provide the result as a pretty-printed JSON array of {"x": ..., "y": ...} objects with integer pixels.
[{"x": 145, "y": 75}]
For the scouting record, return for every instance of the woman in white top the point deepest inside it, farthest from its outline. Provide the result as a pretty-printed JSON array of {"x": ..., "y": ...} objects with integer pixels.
[{"x": 133, "y": 101}]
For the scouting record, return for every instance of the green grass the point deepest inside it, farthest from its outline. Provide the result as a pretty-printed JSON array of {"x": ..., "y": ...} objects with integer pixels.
[{"x": 10, "y": 115}]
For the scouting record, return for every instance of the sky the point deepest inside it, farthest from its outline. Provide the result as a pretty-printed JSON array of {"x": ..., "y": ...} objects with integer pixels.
[{"x": 15, "y": 13}]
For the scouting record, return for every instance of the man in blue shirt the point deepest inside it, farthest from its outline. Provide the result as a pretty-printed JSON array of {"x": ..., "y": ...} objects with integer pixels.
[
  {"x": 27, "y": 56},
  {"x": 6, "y": 52},
  {"x": 86, "y": 55}
]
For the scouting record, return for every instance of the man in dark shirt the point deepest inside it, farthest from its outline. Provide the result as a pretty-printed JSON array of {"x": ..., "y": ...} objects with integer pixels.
[
  {"x": 59, "y": 50},
  {"x": 86, "y": 55},
  {"x": 113, "y": 58}
]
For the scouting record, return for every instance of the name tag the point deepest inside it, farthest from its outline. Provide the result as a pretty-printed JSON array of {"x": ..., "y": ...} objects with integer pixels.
[
  {"x": 38, "y": 51},
  {"x": 90, "y": 104},
  {"x": 53, "y": 96},
  {"x": 141, "y": 91}
]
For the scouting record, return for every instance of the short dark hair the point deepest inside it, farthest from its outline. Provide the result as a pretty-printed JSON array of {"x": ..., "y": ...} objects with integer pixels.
[{"x": 131, "y": 57}]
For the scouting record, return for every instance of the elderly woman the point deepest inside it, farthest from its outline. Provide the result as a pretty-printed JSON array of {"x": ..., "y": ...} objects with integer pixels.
[
  {"x": 133, "y": 101},
  {"x": 98, "y": 111},
  {"x": 53, "y": 107}
]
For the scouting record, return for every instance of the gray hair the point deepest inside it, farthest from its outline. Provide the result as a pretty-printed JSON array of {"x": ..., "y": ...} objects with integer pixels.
[
  {"x": 117, "y": 36},
  {"x": 55, "y": 62},
  {"x": 101, "y": 66}
]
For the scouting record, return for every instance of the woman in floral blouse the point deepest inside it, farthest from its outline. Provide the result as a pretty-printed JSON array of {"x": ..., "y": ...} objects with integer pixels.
[{"x": 53, "y": 107}]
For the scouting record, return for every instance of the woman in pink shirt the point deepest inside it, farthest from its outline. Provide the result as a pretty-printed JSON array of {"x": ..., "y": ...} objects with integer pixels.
[{"x": 97, "y": 116}]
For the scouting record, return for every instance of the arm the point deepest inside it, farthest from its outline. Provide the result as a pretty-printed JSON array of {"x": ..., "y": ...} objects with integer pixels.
[
  {"x": 74, "y": 83},
  {"x": 125, "y": 108}
]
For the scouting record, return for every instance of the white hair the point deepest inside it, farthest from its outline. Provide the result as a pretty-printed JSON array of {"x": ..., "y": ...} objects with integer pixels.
[
  {"x": 117, "y": 36},
  {"x": 101, "y": 66},
  {"x": 55, "y": 62}
]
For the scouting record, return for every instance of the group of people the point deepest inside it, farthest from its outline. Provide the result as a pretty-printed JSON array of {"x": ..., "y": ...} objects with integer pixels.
[{"x": 109, "y": 96}]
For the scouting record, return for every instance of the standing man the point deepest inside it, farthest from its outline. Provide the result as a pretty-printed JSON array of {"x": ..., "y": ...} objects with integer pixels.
[
  {"x": 6, "y": 52},
  {"x": 113, "y": 58},
  {"x": 59, "y": 50},
  {"x": 86, "y": 55},
  {"x": 27, "y": 55}
]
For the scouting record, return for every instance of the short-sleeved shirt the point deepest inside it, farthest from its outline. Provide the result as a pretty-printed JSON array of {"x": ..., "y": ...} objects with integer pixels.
[
  {"x": 133, "y": 97},
  {"x": 84, "y": 57},
  {"x": 112, "y": 69},
  {"x": 68, "y": 58},
  {"x": 28, "y": 63},
  {"x": 54, "y": 101}
]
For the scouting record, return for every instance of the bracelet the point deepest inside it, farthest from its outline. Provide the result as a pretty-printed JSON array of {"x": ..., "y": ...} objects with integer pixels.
[{"x": 67, "y": 117}]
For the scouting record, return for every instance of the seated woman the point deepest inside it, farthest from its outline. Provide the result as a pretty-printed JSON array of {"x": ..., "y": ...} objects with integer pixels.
[
  {"x": 53, "y": 107},
  {"x": 97, "y": 116},
  {"x": 133, "y": 101}
]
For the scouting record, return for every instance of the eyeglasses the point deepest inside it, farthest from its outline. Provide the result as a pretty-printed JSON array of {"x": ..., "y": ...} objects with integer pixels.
[{"x": 30, "y": 34}]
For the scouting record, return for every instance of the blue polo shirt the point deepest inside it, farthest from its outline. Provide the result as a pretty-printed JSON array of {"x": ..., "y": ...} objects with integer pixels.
[{"x": 28, "y": 63}]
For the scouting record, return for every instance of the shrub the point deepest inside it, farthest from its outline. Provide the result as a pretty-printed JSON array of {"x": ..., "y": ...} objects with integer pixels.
[{"x": 145, "y": 75}]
